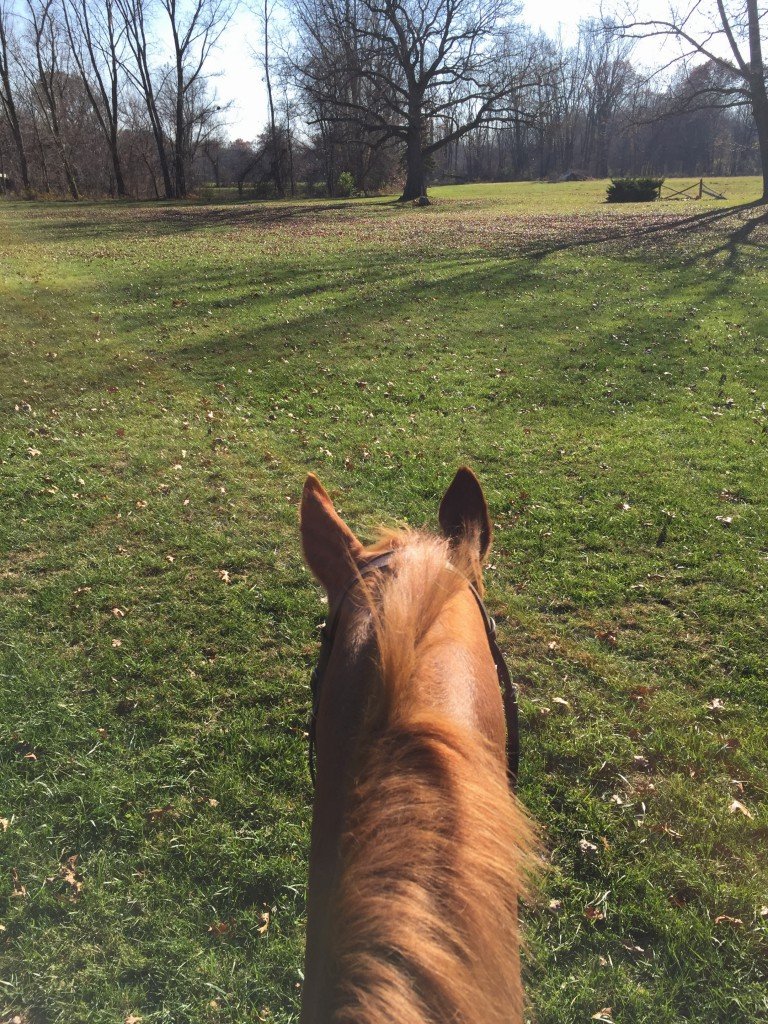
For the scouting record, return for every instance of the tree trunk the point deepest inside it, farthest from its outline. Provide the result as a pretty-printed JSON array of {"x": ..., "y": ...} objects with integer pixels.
[
  {"x": 122, "y": 191},
  {"x": 179, "y": 161},
  {"x": 275, "y": 168},
  {"x": 760, "y": 111},
  {"x": 758, "y": 94},
  {"x": 415, "y": 178}
]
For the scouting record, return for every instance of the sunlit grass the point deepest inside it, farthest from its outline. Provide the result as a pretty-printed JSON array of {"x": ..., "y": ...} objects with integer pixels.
[{"x": 169, "y": 374}]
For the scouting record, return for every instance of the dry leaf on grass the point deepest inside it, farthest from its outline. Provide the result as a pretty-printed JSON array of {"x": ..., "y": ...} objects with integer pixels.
[
  {"x": 19, "y": 890},
  {"x": 727, "y": 919},
  {"x": 604, "y": 1015},
  {"x": 736, "y": 806}
]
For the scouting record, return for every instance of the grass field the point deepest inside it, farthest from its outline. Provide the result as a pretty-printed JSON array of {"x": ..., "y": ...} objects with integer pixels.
[{"x": 168, "y": 374}]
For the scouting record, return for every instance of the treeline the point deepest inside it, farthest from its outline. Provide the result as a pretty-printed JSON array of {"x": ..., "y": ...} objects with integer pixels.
[{"x": 369, "y": 94}]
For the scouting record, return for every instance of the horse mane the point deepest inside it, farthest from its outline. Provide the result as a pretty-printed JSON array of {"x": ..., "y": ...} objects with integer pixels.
[{"x": 436, "y": 850}]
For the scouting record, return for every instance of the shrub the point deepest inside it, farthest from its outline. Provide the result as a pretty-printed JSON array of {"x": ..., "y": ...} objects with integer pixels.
[
  {"x": 634, "y": 190},
  {"x": 345, "y": 186}
]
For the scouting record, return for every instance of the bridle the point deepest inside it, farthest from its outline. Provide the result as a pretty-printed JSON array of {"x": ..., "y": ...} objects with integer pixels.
[{"x": 328, "y": 635}]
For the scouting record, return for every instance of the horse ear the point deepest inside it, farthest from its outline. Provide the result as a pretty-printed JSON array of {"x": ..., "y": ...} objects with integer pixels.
[
  {"x": 464, "y": 512},
  {"x": 330, "y": 547}
]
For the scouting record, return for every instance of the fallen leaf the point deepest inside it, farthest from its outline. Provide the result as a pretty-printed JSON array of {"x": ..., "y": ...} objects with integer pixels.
[
  {"x": 593, "y": 914},
  {"x": 727, "y": 919},
  {"x": 640, "y": 761},
  {"x": 632, "y": 949},
  {"x": 606, "y": 636},
  {"x": 639, "y": 692},
  {"x": 117, "y": 643},
  {"x": 68, "y": 871},
  {"x": 737, "y": 805},
  {"x": 586, "y": 847},
  {"x": 605, "y": 1015},
  {"x": 561, "y": 701},
  {"x": 763, "y": 911},
  {"x": 118, "y": 613},
  {"x": 725, "y": 520},
  {"x": 157, "y": 813},
  {"x": 132, "y": 1019},
  {"x": 220, "y": 928},
  {"x": 555, "y": 906},
  {"x": 715, "y": 705},
  {"x": 224, "y": 576},
  {"x": 19, "y": 890},
  {"x": 4, "y": 824},
  {"x": 264, "y": 923},
  {"x": 141, "y": 503}
]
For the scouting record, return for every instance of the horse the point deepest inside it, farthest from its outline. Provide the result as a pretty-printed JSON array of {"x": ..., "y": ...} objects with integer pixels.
[{"x": 420, "y": 850}]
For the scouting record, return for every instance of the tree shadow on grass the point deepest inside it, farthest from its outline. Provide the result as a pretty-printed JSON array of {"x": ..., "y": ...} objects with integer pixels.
[{"x": 731, "y": 229}]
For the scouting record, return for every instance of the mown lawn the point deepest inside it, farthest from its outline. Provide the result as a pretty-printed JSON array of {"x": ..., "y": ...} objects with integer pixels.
[{"x": 168, "y": 374}]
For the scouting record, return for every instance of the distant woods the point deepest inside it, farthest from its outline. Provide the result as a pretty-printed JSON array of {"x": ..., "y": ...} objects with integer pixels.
[{"x": 115, "y": 97}]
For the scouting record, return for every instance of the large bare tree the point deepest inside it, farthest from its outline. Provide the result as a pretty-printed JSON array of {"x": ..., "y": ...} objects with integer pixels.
[
  {"x": 136, "y": 18},
  {"x": 196, "y": 27},
  {"x": 97, "y": 42},
  {"x": 423, "y": 72},
  {"x": 48, "y": 75},
  {"x": 729, "y": 35}
]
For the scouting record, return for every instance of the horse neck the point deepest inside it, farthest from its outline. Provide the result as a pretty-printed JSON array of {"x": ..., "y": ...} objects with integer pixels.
[{"x": 432, "y": 861}]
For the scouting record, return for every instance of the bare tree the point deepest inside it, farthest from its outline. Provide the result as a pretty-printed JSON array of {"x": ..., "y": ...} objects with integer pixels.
[
  {"x": 196, "y": 27},
  {"x": 48, "y": 76},
  {"x": 136, "y": 15},
  {"x": 728, "y": 34},
  {"x": 265, "y": 13},
  {"x": 608, "y": 79},
  {"x": 8, "y": 103},
  {"x": 435, "y": 69},
  {"x": 97, "y": 41}
]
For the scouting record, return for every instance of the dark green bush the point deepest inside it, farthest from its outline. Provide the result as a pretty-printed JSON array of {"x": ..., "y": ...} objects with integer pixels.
[{"x": 634, "y": 190}]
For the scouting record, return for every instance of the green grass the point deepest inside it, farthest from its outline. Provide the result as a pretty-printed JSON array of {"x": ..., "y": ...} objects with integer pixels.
[{"x": 177, "y": 370}]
